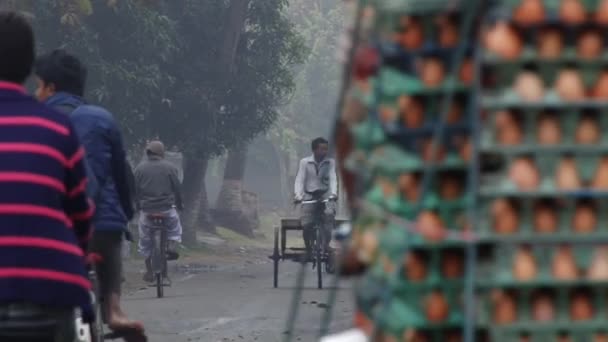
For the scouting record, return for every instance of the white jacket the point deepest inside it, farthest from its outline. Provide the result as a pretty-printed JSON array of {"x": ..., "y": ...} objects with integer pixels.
[{"x": 316, "y": 177}]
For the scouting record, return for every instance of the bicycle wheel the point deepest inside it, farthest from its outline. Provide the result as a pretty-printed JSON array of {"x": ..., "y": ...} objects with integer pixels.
[
  {"x": 96, "y": 328},
  {"x": 319, "y": 257},
  {"x": 275, "y": 258},
  {"x": 157, "y": 262}
]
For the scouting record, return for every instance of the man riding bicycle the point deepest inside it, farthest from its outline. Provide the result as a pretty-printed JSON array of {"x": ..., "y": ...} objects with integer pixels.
[
  {"x": 317, "y": 181},
  {"x": 157, "y": 189}
]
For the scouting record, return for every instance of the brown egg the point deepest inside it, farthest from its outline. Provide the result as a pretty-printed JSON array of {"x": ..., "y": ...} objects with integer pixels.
[
  {"x": 581, "y": 308},
  {"x": 543, "y": 308},
  {"x": 437, "y": 309},
  {"x": 600, "y": 89},
  {"x": 505, "y": 219},
  {"x": 427, "y": 152},
  {"x": 600, "y": 338},
  {"x": 466, "y": 73},
  {"x": 412, "y": 37},
  {"x": 450, "y": 187},
  {"x": 415, "y": 267},
  {"x": 564, "y": 266},
  {"x": 524, "y": 265},
  {"x": 589, "y": 45},
  {"x": 572, "y": 12},
  {"x": 550, "y": 43},
  {"x": 387, "y": 114},
  {"x": 599, "y": 265},
  {"x": 545, "y": 218},
  {"x": 503, "y": 40},
  {"x": 509, "y": 131},
  {"x": 448, "y": 31},
  {"x": 529, "y": 86},
  {"x": 465, "y": 150},
  {"x": 430, "y": 226},
  {"x": 432, "y": 72},
  {"x": 548, "y": 131},
  {"x": 588, "y": 131},
  {"x": 570, "y": 86},
  {"x": 600, "y": 179},
  {"x": 529, "y": 12},
  {"x": 585, "y": 218},
  {"x": 505, "y": 309},
  {"x": 567, "y": 176},
  {"x": 455, "y": 113},
  {"x": 452, "y": 265},
  {"x": 601, "y": 14},
  {"x": 524, "y": 174},
  {"x": 409, "y": 185},
  {"x": 412, "y": 111}
]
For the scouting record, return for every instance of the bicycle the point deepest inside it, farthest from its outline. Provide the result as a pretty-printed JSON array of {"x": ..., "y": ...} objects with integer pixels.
[
  {"x": 321, "y": 258},
  {"x": 158, "y": 256}
]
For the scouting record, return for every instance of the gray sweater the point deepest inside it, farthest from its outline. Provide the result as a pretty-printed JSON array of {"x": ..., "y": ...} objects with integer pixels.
[{"x": 157, "y": 185}]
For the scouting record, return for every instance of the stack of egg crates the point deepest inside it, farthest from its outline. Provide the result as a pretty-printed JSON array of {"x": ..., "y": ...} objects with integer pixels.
[
  {"x": 411, "y": 220},
  {"x": 543, "y": 215}
]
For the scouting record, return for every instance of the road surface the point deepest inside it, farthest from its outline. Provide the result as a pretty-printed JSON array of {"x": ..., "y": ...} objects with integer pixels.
[{"x": 235, "y": 303}]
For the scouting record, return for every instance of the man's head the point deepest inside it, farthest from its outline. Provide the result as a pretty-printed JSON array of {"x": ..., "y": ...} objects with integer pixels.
[
  {"x": 155, "y": 148},
  {"x": 16, "y": 48},
  {"x": 320, "y": 148},
  {"x": 59, "y": 71}
]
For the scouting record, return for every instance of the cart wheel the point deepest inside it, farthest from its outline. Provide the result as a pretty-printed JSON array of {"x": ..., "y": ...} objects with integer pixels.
[
  {"x": 276, "y": 257},
  {"x": 319, "y": 258}
]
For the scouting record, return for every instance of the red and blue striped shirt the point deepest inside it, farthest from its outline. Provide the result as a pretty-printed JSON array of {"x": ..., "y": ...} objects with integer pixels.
[{"x": 45, "y": 216}]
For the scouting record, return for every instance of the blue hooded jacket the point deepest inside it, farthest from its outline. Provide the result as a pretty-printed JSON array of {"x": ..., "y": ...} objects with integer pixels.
[{"x": 106, "y": 159}]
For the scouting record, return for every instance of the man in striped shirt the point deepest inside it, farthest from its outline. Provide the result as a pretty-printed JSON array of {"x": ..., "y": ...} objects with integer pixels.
[{"x": 44, "y": 212}]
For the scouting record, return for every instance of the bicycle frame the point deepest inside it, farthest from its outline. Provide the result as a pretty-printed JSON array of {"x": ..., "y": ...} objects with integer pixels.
[{"x": 158, "y": 260}]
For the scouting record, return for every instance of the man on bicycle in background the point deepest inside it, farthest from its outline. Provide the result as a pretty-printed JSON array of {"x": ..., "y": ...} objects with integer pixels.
[
  {"x": 61, "y": 83},
  {"x": 157, "y": 189},
  {"x": 317, "y": 180}
]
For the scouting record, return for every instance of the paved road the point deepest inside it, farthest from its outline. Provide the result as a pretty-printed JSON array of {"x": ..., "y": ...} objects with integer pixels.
[{"x": 236, "y": 303}]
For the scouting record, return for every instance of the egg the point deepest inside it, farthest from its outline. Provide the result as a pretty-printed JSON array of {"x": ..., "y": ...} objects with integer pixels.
[
  {"x": 465, "y": 150},
  {"x": 529, "y": 86},
  {"x": 589, "y": 45},
  {"x": 588, "y": 131},
  {"x": 426, "y": 151},
  {"x": 600, "y": 179},
  {"x": 447, "y": 31},
  {"x": 503, "y": 40},
  {"x": 508, "y": 129},
  {"x": 549, "y": 131},
  {"x": 505, "y": 219},
  {"x": 366, "y": 62},
  {"x": 524, "y": 265},
  {"x": 387, "y": 114},
  {"x": 572, "y": 12},
  {"x": 505, "y": 309},
  {"x": 570, "y": 86},
  {"x": 545, "y": 218},
  {"x": 455, "y": 113},
  {"x": 412, "y": 111},
  {"x": 543, "y": 308},
  {"x": 550, "y": 43},
  {"x": 567, "y": 176},
  {"x": 432, "y": 72},
  {"x": 452, "y": 265},
  {"x": 601, "y": 14},
  {"x": 415, "y": 267},
  {"x": 466, "y": 73},
  {"x": 600, "y": 338},
  {"x": 581, "y": 308},
  {"x": 430, "y": 226},
  {"x": 529, "y": 12},
  {"x": 564, "y": 267},
  {"x": 598, "y": 270},
  {"x": 585, "y": 218},
  {"x": 412, "y": 35},
  {"x": 524, "y": 174},
  {"x": 409, "y": 185},
  {"x": 437, "y": 309},
  {"x": 450, "y": 188},
  {"x": 600, "y": 89}
]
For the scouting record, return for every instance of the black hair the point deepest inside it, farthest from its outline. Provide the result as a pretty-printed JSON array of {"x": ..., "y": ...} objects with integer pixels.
[
  {"x": 318, "y": 141},
  {"x": 16, "y": 47},
  {"x": 63, "y": 70}
]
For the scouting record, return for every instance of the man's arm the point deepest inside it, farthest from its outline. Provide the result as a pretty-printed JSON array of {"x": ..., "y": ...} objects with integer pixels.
[
  {"x": 298, "y": 190},
  {"x": 119, "y": 172},
  {"x": 177, "y": 192},
  {"x": 333, "y": 179}
]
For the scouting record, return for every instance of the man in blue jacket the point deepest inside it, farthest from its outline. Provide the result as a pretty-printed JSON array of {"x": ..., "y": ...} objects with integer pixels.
[{"x": 61, "y": 80}]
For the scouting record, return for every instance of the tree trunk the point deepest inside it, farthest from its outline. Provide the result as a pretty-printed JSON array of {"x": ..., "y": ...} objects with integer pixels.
[
  {"x": 194, "y": 170},
  {"x": 205, "y": 220},
  {"x": 229, "y": 208}
]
